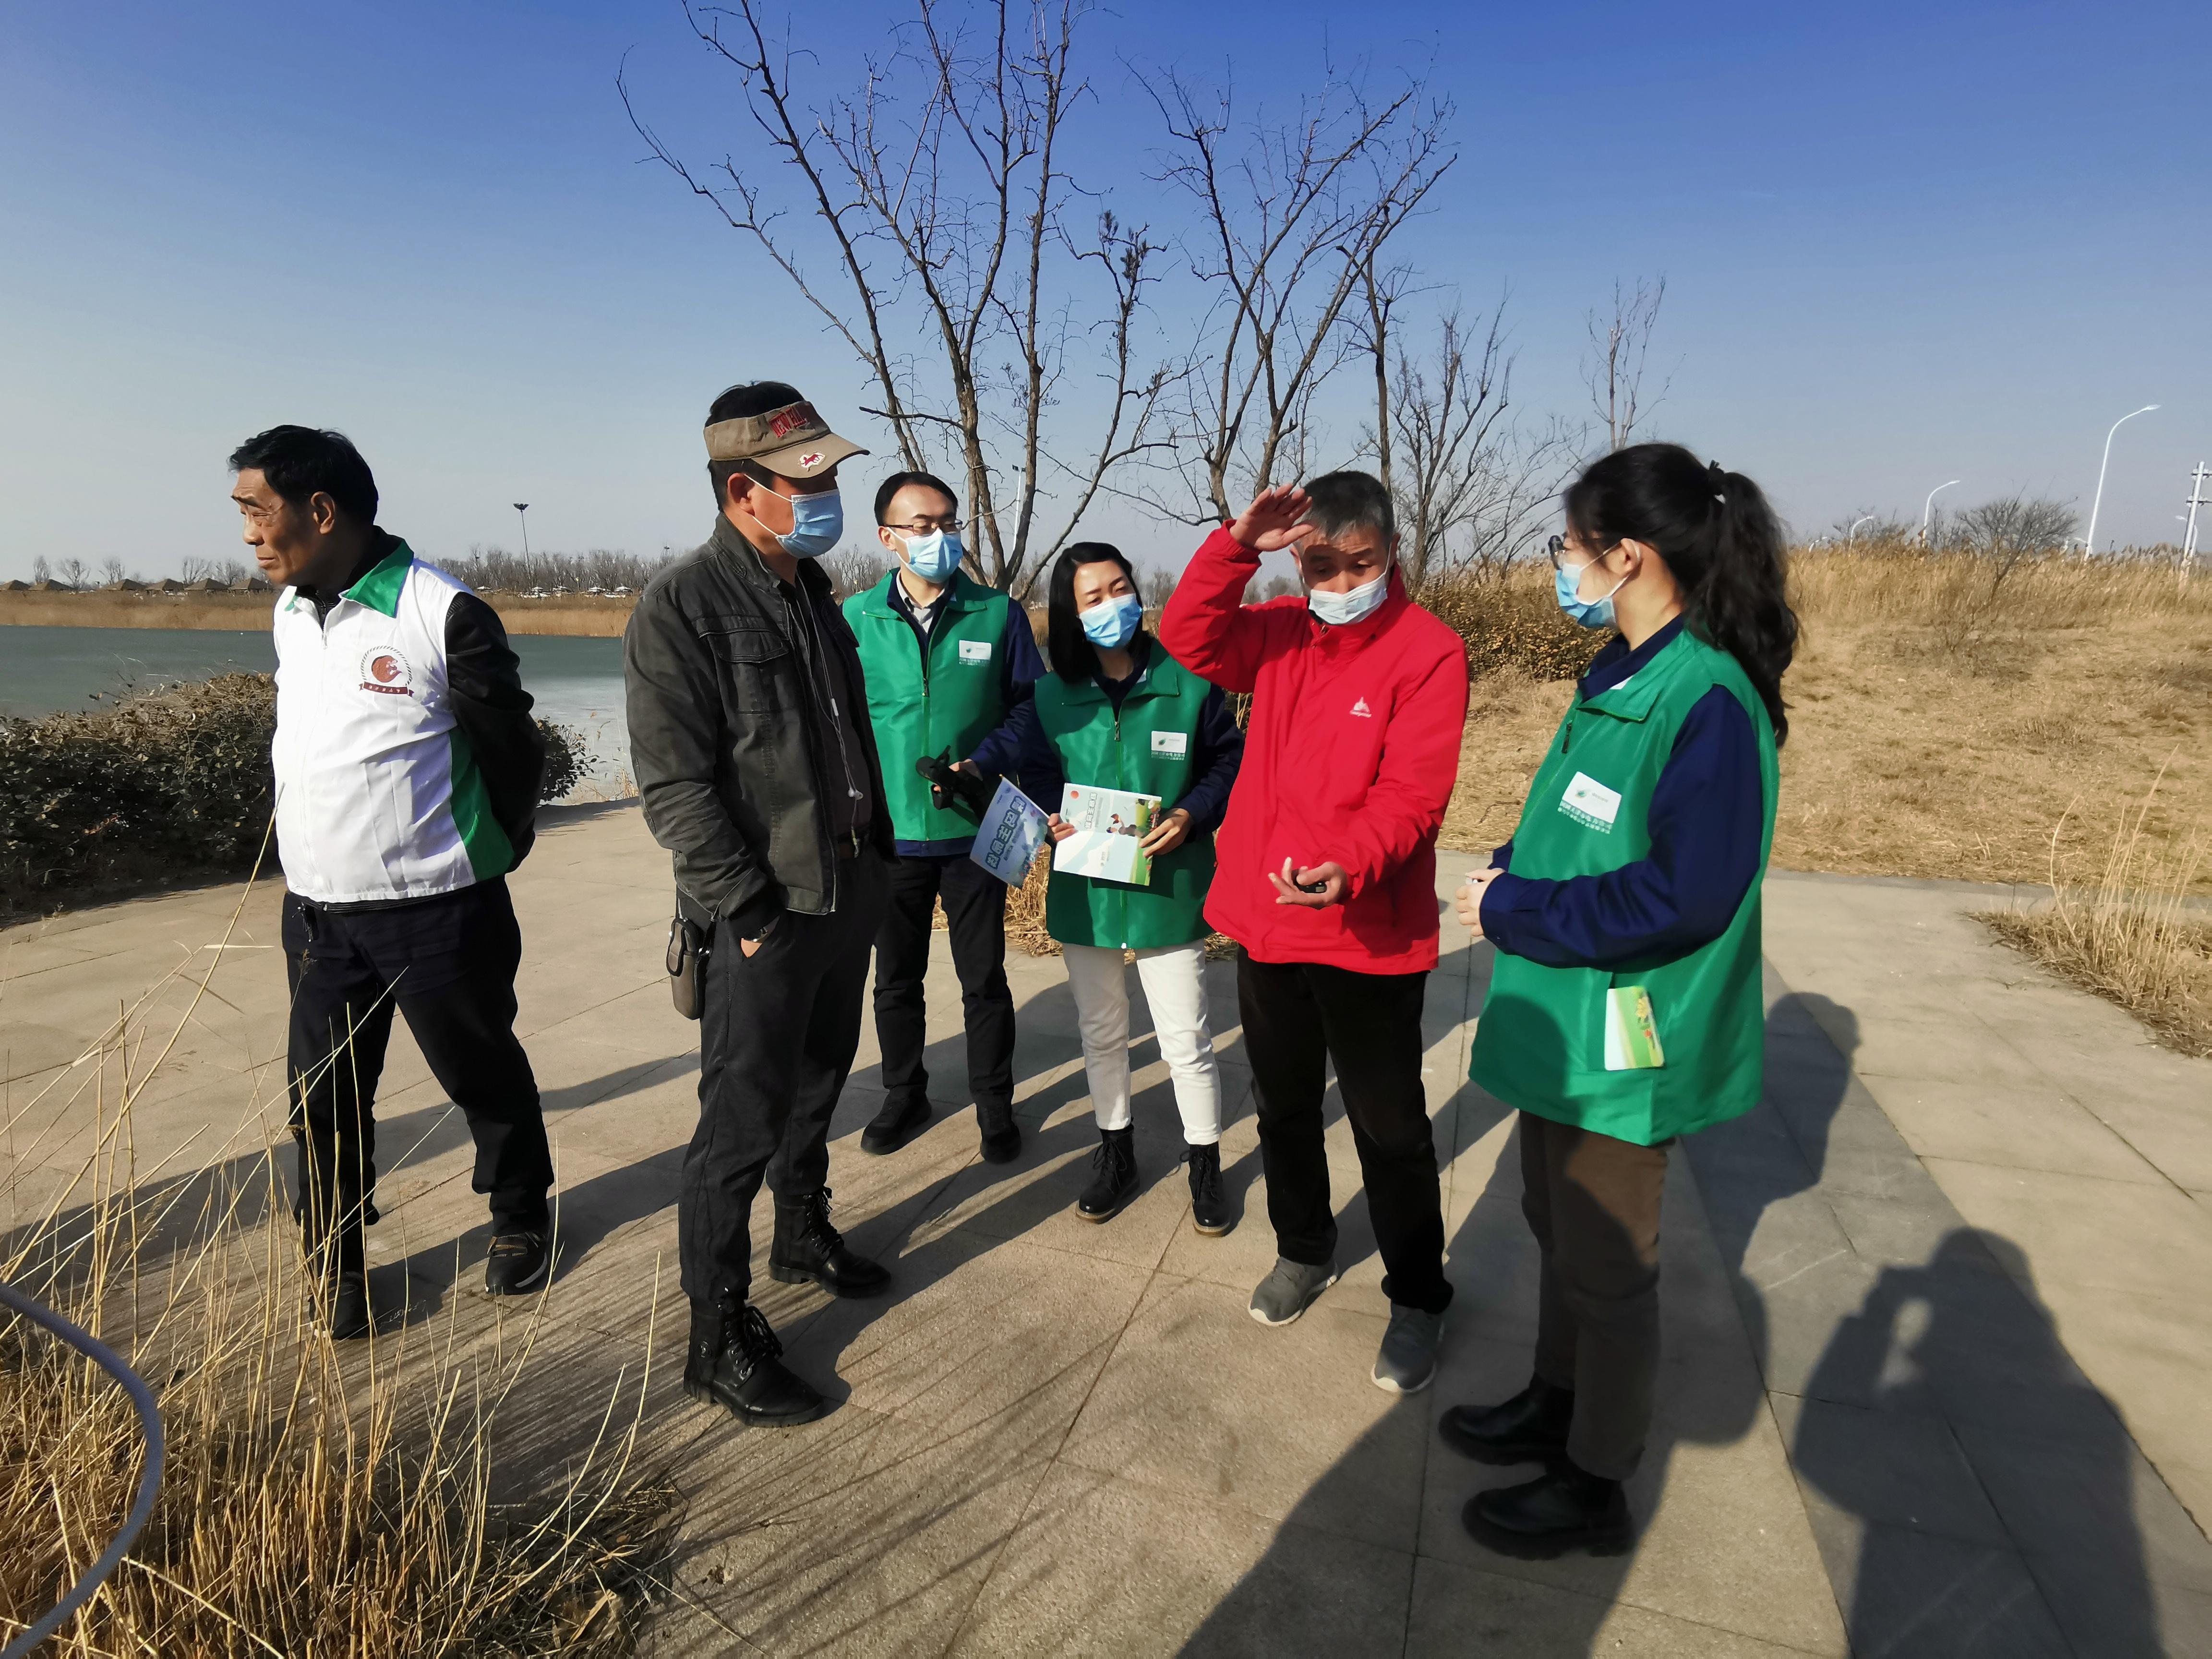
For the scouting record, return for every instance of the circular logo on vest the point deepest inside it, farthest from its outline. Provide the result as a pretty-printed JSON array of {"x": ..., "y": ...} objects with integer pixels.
[{"x": 384, "y": 670}]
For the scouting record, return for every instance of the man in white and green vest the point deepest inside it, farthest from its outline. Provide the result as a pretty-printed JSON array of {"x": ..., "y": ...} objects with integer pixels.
[
  {"x": 947, "y": 660},
  {"x": 407, "y": 770}
]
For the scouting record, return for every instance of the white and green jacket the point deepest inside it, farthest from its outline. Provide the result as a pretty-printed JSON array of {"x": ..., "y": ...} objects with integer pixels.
[{"x": 406, "y": 762}]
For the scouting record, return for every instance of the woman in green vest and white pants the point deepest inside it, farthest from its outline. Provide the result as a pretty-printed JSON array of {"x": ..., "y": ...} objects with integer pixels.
[
  {"x": 1118, "y": 713},
  {"x": 1625, "y": 1005}
]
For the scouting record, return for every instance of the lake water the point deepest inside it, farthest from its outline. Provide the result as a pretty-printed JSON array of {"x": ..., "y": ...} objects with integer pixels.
[{"x": 576, "y": 682}]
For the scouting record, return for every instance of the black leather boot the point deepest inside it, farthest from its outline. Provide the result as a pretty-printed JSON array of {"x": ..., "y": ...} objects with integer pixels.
[
  {"x": 1002, "y": 1136},
  {"x": 736, "y": 1362},
  {"x": 1114, "y": 1180},
  {"x": 808, "y": 1250},
  {"x": 1563, "y": 1509},
  {"x": 1529, "y": 1428},
  {"x": 1209, "y": 1204},
  {"x": 339, "y": 1271}
]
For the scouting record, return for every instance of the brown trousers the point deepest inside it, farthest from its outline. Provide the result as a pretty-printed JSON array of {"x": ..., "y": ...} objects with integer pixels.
[{"x": 1593, "y": 1203}]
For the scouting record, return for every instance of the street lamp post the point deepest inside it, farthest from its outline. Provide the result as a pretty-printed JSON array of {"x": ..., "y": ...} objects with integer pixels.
[
  {"x": 2089, "y": 547},
  {"x": 1849, "y": 538},
  {"x": 522, "y": 510},
  {"x": 1928, "y": 508}
]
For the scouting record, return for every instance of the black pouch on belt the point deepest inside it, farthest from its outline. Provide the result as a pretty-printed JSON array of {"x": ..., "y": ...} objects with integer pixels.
[{"x": 689, "y": 944}]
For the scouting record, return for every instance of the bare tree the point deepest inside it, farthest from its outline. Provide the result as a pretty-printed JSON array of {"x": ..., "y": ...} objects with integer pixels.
[
  {"x": 40, "y": 570},
  {"x": 1873, "y": 527},
  {"x": 956, "y": 201},
  {"x": 1158, "y": 585},
  {"x": 1614, "y": 372},
  {"x": 112, "y": 571},
  {"x": 73, "y": 571},
  {"x": 1470, "y": 487},
  {"x": 1293, "y": 218}
]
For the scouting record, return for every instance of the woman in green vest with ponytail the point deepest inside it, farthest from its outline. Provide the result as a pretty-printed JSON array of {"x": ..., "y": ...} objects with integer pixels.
[
  {"x": 1116, "y": 712},
  {"x": 1625, "y": 1005}
]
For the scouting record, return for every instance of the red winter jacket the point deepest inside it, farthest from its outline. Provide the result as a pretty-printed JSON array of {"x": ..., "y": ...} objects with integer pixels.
[{"x": 1351, "y": 754}]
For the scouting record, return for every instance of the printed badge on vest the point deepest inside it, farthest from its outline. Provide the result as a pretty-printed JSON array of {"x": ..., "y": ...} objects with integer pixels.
[
  {"x": 1589, "y": 802},
  {"x": 1170, "y": 743},
  {"x": 384, "y": 670},
  {"x": 975, "y": 651}
]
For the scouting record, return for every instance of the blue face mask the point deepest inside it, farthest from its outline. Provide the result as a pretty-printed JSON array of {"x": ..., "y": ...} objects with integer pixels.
[
  {"x": 1339, "y": 608},
  {"x": 1111, "y": 623},
  {"x": 816, "y": 522},
  {"x": 935, "y": 557},
  {"x": 1566, "y": 582}
]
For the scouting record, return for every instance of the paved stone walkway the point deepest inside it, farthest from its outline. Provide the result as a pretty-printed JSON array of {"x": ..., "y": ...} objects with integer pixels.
[{"x": 1934, "y": 1315}]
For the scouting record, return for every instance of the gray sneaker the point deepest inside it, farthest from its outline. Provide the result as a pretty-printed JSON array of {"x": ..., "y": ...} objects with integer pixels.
[
  {"x": 1408, "y": 1362},
  {"x": 1289, "y": 1291}
]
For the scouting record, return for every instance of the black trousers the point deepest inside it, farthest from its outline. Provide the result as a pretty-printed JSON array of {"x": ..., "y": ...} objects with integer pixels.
[
  {"x": 1593, "y": 1203},
  {"x": 447, "y": 963},
  {"x": 1298, "y": 1018},
  {"x": 975, "y": 905},
  {"x": 777, "y": 1032}
]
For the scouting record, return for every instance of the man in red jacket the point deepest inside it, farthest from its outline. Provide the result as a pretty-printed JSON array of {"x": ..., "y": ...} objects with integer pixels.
[{"x": 1326, "y": 875}]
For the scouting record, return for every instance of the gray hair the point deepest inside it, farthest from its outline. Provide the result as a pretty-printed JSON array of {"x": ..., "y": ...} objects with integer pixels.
[{"x": 1350, "y": 501}]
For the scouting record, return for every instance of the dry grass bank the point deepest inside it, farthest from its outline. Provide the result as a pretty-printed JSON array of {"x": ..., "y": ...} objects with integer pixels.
[
  {"x": 584, "y": 615},
  {"x": 393, "y": 1497},
  {"x": 1941, "y": 723}
]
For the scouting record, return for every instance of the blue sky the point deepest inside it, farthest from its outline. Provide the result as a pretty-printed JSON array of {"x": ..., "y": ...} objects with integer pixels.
[{"x": 1903, "y": 243}]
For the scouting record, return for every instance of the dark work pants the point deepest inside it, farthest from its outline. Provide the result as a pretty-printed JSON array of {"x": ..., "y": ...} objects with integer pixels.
[
  {"x": 447, "y": 963},
  {"x": 777, "y": 1032},
  {"x": 975, "y": 905},
  {"x": 1298, "y": 1018},
  {"x": 1593, "y": 1203}
]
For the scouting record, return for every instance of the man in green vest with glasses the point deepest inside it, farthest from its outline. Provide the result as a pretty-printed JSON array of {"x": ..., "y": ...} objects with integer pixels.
[{"x": 947, "y": 659}]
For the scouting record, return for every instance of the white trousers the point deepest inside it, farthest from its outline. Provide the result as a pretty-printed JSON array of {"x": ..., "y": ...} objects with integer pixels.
[{"x": 1174, "y": 978}]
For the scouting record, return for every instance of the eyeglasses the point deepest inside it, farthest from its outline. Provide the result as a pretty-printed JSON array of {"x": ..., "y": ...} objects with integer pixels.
[
  {"x": 924, "y": 526},
  {"x": 1558, "y": 545}
]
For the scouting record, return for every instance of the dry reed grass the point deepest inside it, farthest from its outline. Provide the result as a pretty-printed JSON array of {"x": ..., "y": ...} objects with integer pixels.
[
  {"x": 2133, "y": 937},
  {"x": 317, "y": 1497}
]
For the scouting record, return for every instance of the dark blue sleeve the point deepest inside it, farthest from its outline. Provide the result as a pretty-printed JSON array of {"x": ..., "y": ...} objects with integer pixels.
[
  {"x": 1020, "y": 666},
  {"x": 1706, "y": 818},
  {"x": 1214, "y": 767},
  {"x": 1503, "y": 858},
  {"x": 1033, "y": 762}
]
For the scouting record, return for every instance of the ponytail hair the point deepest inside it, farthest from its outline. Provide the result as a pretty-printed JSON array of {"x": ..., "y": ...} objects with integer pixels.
[{"x": 1719, "y": 538}]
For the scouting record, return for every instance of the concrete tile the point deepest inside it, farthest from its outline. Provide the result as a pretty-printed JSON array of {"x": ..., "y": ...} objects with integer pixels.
[
  {"x": 1288, "y": 1425},
  {"x": 1919, "y": 1596},
  {"x": 2098, "y": 1503},
  {"x": 2107, "y": 1614},
  {"x": 2013, "y": 1127},
  {"x": 1113, "y": 1567},
  {"x": 1459, "y": 1610},
  {"x": 1897, "y": 1468},
  {"x": 2088, "y": 1233}
]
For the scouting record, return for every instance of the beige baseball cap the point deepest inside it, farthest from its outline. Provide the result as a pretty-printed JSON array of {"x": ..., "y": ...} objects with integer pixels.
[{"x": 792, "y": 442}]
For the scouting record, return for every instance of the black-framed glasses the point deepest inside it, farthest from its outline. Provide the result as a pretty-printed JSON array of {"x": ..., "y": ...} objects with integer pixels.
[
  {"x": 1554, "y": 547},
  {"x": 949, "y": 526}
]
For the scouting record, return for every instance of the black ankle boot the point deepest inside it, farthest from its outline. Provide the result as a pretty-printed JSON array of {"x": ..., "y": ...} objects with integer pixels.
[
  {"x": 1529, "y": 1428},
  {"x": 1002, "y": 1136},
  {"x": 1114, "y": 1180},
  {"x": 808, "y": 1250},
  {"x": 736, "y": 1362},
  {"x": 1563, "y": 1509},
  {"x": 1209, "y": 1205},
  {"x": 338, "y": 1270}
]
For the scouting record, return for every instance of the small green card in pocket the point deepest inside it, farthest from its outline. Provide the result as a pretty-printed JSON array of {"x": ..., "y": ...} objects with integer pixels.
[{"x": 1631, "y": 1038}]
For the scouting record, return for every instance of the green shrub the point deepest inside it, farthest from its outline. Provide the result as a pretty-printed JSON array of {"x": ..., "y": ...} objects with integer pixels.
[{"x": 169, "y": 786}]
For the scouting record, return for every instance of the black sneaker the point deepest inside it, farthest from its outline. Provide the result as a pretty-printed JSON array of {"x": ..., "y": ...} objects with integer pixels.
[
  {"x": 1114, "y": 1182},
  {"x": 1529, "y": 1428},
  {"x": 1209, "y": 1205},
  {"x": 515, "y": 1262},
  {"x": 807, "y": 1249},
  {"x": 894, "y": 1126},
  {"x": 736, "y": 1362},
  {"x": 349, "y": 1307},
  {"x": 1563, "y": 1509}
]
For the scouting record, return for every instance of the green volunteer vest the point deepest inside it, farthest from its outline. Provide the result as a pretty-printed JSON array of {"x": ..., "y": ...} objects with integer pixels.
[
  {"x": 1540, "y": 1045},
  {"x": 1149, "y": 747},
  {"x": 950, "y": 701}
]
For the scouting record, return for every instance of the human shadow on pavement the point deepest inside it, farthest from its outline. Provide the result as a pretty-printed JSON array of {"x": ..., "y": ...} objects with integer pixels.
[{"x": 1977, "y": 1436}]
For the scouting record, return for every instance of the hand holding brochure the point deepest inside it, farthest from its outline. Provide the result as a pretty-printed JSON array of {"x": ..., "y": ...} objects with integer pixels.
[
  {"x": 1007, "y": 839},
  {"x": 1108, "y": 825}
]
